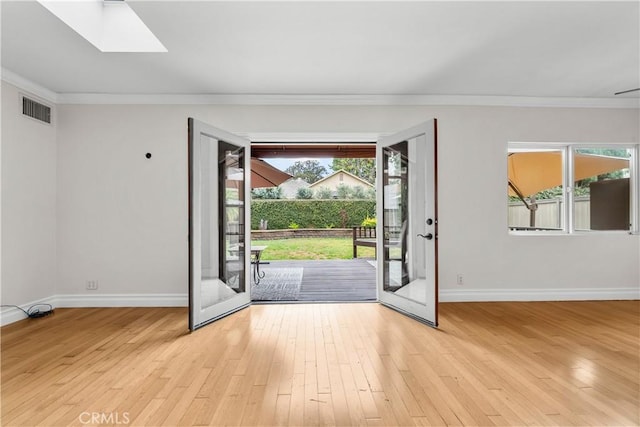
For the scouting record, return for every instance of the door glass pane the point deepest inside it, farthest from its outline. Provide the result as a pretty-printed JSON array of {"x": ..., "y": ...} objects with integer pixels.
[
  {"x": 601, "y": 188},
  {"x": 231, "y": 180},
  {"x": 395, "y": 216},
  {"x": 222, "y": 224},
  {"x": 403, "y": 253}
]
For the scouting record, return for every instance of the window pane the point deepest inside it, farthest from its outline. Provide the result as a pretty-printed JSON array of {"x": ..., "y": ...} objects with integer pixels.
[
  {"x": 534, "y": 189},
  {"x": 601, "y": 188}
]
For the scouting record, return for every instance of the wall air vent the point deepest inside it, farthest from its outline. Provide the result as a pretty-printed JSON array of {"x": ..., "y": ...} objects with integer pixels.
[{"x": 36, "y": 110}]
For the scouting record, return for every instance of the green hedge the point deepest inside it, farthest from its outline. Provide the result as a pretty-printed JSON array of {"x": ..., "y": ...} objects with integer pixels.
[{"x": 311, "y": 213}]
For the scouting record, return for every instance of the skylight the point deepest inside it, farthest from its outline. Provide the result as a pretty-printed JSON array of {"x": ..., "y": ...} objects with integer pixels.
[{"x": 111, "y": 26}]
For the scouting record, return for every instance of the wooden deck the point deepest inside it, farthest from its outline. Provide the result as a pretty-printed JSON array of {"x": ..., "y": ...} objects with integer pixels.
[{"x": 332, "y": 280}]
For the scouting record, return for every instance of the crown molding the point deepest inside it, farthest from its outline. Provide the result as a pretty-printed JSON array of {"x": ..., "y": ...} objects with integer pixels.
[
  {"x": 27, "y": 85},
  {"x": 310, "y": 99},
  {"x": 350, "y": 100}
]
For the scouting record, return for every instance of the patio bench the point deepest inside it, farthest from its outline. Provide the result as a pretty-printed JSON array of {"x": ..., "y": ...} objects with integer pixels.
[{"x": 363, "y": 236}]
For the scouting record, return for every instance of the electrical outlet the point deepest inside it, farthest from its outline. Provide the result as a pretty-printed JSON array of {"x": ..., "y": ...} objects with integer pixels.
[
  {"x": 92, "y": 285},
  {"x": 460, "y": 280}
]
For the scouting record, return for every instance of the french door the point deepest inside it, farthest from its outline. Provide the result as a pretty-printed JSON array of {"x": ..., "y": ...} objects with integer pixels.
[
  {"x": 219, "y": 225},
  {"x": 407, "y": 227}
]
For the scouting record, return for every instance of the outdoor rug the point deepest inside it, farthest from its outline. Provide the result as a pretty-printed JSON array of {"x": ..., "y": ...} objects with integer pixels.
[{"x": 278, "y": 284}]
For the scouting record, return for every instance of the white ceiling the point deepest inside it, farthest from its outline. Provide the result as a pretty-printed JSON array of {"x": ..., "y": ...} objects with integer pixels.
[{"x": 529, "y": 49}]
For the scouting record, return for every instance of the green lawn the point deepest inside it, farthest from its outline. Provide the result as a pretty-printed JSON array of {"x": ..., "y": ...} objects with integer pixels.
[{"x": 311, "y": 248}]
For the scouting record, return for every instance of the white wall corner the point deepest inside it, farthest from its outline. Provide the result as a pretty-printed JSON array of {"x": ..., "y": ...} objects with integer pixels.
[{"x": 549, "y": 294}]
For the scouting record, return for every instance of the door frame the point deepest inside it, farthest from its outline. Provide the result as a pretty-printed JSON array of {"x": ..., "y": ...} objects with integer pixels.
[{"x": 330, "y": 137}]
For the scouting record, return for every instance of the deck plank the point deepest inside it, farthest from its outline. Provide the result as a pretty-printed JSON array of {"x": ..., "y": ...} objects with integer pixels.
[{"x": 332, "y": 280}]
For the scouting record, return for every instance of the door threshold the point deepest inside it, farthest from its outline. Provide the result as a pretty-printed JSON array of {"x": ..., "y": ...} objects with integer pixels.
[{"x": 261, "y": 302}]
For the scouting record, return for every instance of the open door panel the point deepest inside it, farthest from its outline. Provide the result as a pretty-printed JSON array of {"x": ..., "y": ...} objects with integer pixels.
[
  {"x": 407, "y": 222},
  {"x": 219, "y": 226}
]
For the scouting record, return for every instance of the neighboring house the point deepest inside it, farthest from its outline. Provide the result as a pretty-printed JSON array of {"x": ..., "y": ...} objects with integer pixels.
[
  {"x": 291, "y": 186},
  {"x": 338, "y": 178}
]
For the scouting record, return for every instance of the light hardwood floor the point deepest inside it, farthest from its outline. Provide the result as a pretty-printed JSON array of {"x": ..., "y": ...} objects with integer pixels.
[{"x": 554, "y": 363}]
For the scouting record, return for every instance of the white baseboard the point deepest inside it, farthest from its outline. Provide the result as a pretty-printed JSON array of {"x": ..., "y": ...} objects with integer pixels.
[
  {"x": 575, "y": 294},
  {"x": 12, "y": 314},
  {"x": 122, "y": 300}
]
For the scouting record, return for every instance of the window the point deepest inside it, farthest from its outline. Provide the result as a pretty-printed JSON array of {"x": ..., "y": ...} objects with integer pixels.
[{"x": 562, "y": 188}]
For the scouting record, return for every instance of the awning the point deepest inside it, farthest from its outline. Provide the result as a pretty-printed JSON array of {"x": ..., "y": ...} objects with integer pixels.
[
  {"x": 264, "y": 175},
  {"x": 266, "y": 150},
  {"x": 533, "y": 171}
]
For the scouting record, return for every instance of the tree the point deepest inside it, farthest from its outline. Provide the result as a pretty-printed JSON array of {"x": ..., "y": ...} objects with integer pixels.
[
  {"x": 324, "y": 193},
  {"x": 304, "y": 193},
  {"x": 267, "y": 193},
  {"x": 344, "y": 191},
  {"x": 309, "y": 170},
  {"x": 362, "y": 168},
  {"x": 358, "y": 192}
]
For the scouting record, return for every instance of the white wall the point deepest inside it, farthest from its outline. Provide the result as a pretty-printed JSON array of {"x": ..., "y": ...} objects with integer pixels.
[
  {"x": 473, "y": 160},
  {"x": 122, "y": 219},
  {"x": 81, "y": 202},
  {"x": 29, "y": 262}
]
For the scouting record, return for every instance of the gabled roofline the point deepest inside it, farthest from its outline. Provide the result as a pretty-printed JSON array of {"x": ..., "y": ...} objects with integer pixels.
[{"x": 367, "y": 184}]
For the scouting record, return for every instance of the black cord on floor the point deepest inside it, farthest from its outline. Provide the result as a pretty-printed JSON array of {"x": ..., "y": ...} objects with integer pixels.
[{"x": 34, "y": 311}]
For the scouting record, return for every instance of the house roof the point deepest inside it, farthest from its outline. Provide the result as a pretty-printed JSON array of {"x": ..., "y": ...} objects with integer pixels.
[{"x": 319, "y": 183}]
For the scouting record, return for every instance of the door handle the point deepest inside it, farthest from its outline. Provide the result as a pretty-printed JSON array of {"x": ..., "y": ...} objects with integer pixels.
[{"x": 429, "y": 236}]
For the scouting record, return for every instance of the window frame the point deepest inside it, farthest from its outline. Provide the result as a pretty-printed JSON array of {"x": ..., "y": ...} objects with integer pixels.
[{"x": 568, "y": 200}]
